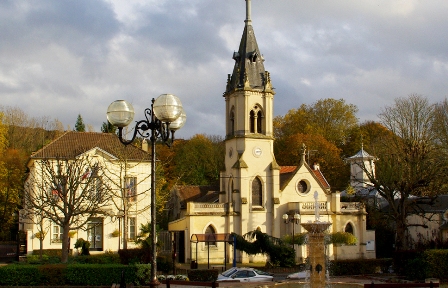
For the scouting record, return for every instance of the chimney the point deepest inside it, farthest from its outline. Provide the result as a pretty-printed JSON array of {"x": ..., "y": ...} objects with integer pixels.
[
  {"x": 145, "y": 146},
  {"x": 316, "y": 166}
]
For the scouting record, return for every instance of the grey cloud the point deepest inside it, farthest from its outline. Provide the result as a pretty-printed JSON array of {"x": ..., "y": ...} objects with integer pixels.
[{"x": 72, "y": 57}]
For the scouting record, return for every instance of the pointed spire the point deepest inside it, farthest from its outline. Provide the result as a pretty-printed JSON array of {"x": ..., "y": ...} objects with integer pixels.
[{"x": 249, "y": 68}]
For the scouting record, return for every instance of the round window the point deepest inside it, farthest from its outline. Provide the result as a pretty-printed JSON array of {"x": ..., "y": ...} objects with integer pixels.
[{"x": 302, "y": 186}]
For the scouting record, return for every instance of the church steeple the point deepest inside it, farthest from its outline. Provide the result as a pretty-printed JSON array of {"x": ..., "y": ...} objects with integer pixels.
[{"x": 248, "y": 72}]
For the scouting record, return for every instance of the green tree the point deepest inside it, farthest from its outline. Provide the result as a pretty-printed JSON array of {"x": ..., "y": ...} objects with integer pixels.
[
  {"x": 410, "y": 163},
  {"x": 333, "y": 119},
  {"x": 199, "y": 160},
  {"x": 12, "y": 169},
  {"x": 441, "y": 123},
  {"x": 3, "y": 134},
  {"x": 28, "y": 133},
  {"x": 257, "y": 242},
  {"x": 106, "y": 127},
  {"x": 79, "y": 125},
  {"x": 367, "y": 135}
]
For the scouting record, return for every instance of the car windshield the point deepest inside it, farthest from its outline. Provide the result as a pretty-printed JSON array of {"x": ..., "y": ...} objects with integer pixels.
[
  {"x": 259, "y": 272},
  {"x": 229, "y": 272}
]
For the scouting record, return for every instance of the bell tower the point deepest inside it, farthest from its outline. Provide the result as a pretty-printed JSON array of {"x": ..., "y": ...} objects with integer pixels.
[{"x": 251, "y": 176}]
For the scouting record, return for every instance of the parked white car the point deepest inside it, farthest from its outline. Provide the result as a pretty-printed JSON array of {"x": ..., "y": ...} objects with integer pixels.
[
  {"x": 244, "y": 275},
  {"x": 298, "y": 275}
]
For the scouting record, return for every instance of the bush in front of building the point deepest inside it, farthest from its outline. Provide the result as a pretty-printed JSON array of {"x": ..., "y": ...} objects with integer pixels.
[
  {"x": 84, "y": 245},
  {"x": 107, "y": 257},
  {"x": 99, "y": 274},
  {"x": 143, "y": 274},
  {"x": 436, "y": 261},
  {"x": 402, "y": 258},
  {"x": 20, "y": 275},
  {"x": 203, "y": 275},
  {"x": 135, "y": 255},
  {"x": 359, "y": 266},
  {"x": 415, "y": 269},
  {"x": 62, "y": 274},
  {"x": 44, "y": 259},
  {"x": 53, "y": 274},
  {"x": 164, "y": 264}
]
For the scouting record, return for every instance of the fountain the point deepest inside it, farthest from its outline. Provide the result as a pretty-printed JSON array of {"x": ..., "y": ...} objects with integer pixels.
[{"x": 316, "y": 248}]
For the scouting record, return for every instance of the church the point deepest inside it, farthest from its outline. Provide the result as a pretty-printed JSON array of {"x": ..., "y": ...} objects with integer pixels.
[{"x": 255, "y": 192}]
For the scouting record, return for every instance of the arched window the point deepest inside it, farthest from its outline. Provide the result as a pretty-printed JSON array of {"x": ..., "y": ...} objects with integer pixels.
[
  {"x": 256, "y": 119},
  {"x": 349, "y": 228},
  {"x": 257, "y": 192},
  {"x": 232, "y": 122},
  {"x": 259, "y": 125},
  {"x": 252, "y": 122},
  {"x": 210, "y": 236}
]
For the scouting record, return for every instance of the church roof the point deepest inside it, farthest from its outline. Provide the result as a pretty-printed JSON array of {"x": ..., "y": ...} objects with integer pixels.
[
  {"x": 361, "y": 154},
  {"x": 196, "y": 193},
  {"x": 248, "y": 72},
  {"x": 72, "y": 144},
  {"x": 321, "y": 178},
  {"x": 287, "y": 172}
]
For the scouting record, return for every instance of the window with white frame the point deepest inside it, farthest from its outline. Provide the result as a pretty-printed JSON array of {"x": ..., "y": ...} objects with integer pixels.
[
  {"x": 131, "y": 228},
  {"x": 56, "y": 233},
  {"x": 96, "y": 186},
  {"x": 131, "y": 188}
]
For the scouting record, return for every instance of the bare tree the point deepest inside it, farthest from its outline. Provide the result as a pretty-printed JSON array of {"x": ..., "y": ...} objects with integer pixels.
[
  {"x": 67, "y": 192},
  {"x": 441, "y": 123},
  {"x": 123, "y": 177},
  {"x": 410, "y": 171}
]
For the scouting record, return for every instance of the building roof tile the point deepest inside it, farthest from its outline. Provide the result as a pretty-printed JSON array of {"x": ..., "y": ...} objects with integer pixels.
[{"x": 72, "y": 144}]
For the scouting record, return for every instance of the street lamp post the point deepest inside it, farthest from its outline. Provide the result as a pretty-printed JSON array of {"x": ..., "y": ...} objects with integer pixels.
[
  {"x": 294, "y": 219},
  {"x": 165, "y": 116}
]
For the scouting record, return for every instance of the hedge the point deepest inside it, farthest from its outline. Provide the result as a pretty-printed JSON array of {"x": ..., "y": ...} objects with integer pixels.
[
  {"x": 63, "y": 274},
  {"x": 358, "y": 266}
]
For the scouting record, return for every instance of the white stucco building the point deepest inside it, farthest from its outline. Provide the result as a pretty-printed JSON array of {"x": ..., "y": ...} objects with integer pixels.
[{"x": 125, "y": 171}]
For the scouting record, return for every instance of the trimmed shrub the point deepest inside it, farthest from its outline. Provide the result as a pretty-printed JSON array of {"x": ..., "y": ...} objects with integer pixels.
[
  {"x": 416, "y": 269},
  {"x": 84, "y": 245},
  {"x": 20, "y": 275},
  {"x": 106, "y": 258},
  {"x": 205, "y": 275},
  {"x": 73, "y": 274},
  {"x": 49, "y": 252},
  {"x": 142, "y": 274},
  {"x": 437, "y": 263},
  {"x": 137, "y": 255},
  {"x": 358, "y": 266},
  {"x": 164, "y": 265},
  {"x": 98, "y": 274},
  {"x": 402, "y": 258},
  {"x": 52, "y": 274}
]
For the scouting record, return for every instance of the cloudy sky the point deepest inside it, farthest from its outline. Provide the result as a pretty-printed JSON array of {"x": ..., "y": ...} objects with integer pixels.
[{"x": 64, "y": 58}]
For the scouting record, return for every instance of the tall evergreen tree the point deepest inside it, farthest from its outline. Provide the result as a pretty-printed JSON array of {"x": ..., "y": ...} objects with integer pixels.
[
  {"x": 79, "y": 125},
  {"x": 108, "y": 128}
]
